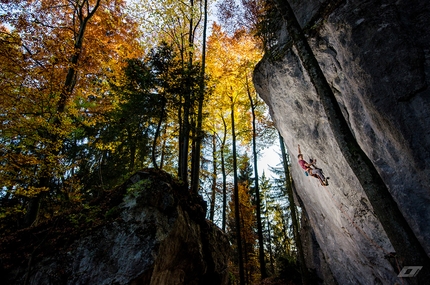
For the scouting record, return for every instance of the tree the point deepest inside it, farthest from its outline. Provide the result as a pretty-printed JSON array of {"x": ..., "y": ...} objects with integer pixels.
[
  {"x": 179, "y": 23},
  {"x": 60, "y": 87},
  {"x": 236, "y": 199},
  {"x": 256, "y": 187},
  {"x": 244, "y": 14},
  {"x": 199, "y": 133},
  {"x": 128, "y": 136},
  {"x": 295, "y": 220},
  {"x": 245, "y": 229},
  {"x": 266, "y": 187},
  {"x": 229, "y": 65},
  {"x": 248, "y": 217},
  {"x": 224, "y": 175},
  {"x": 226, "y": 72}
]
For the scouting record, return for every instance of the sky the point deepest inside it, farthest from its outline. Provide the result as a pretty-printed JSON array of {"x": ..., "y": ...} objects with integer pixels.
[{"x": 269, "y": 157}]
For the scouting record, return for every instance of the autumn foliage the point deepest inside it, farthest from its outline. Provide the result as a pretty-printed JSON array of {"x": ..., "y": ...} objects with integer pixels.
[
  {"x": 55, "y": 63},
  {"x": 92, "y": 91}
]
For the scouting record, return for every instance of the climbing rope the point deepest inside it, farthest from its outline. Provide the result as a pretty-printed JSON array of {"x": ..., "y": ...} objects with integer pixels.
[{"x": 387, "y": 254}]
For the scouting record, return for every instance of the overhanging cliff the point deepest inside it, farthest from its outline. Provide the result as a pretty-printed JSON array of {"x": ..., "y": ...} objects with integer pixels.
[{"x": 375, "y": 57}]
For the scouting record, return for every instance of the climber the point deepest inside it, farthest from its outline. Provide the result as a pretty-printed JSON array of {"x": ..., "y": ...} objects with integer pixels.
[{"x": 311, "y": 169}]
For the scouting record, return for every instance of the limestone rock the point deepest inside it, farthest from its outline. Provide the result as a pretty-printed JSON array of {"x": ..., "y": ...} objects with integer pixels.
[
  {"x": 158, "y": 236},
  {"x": 376, "y": 57}
]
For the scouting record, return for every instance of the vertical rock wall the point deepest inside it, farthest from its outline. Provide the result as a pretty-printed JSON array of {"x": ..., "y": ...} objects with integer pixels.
[{"x": 376, "y": 57}]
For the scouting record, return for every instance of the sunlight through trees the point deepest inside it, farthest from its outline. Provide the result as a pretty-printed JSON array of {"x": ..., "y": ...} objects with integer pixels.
[{"x": 94, "y": 90}]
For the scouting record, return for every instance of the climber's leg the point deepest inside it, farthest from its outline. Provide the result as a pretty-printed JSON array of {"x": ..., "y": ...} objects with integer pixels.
[{"x": 318, "y": 172}]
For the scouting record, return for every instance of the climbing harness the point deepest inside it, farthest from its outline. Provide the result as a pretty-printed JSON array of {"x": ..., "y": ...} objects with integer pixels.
[{"x": 322, "y": 181}]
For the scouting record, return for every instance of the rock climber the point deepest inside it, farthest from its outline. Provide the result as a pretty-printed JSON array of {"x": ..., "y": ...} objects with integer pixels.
[{"x": 311, "y": 168}]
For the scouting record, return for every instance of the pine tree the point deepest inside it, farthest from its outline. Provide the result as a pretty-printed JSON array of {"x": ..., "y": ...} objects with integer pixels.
[{"x": 247, "y": 224}]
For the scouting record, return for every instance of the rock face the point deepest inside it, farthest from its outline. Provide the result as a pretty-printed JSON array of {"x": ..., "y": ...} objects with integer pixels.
[
  {"x": 159, "y": 235},
  {"x": 376, "y": 57}
]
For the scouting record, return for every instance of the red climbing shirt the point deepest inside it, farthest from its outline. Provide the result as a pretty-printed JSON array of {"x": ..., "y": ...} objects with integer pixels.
[{"x": 303, "y": 164}]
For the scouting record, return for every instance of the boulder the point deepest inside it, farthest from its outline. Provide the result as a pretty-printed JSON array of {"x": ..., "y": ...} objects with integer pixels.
[{"x": 156, "y": 234}]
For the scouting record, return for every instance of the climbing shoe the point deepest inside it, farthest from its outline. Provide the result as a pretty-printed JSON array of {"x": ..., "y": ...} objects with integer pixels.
[{"x": 326, "y": 181}]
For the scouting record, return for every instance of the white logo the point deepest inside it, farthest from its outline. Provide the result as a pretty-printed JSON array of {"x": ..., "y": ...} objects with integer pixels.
[{"x": 409, "y": 271}]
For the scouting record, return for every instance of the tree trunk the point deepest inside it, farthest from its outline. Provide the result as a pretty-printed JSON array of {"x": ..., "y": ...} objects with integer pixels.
[
  {"x": 188, "y": 90},
  {"x": 214, "y": 175},
  {"x": 180, "y": 137},
  {"x": 32, "y": 210},
  {"x": 70, "y": 82},
  {"x": 402, "y": 238},
  {"x": 157, "y": 134},
  {"x": 236, "y": 200},
  {"x": 224, "y": 178},
  {"x": 132, "y": 146},
  {"x": 263, "y": 271},
  {"x": 269, "y": 243},
  {"x": 294, "y": 218},
  {"x": 183, "y": 173},
  {"x": 163, "y": 149},
  {"x": 199, "y": 137},
  {"x": 246, "y": 266}
]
